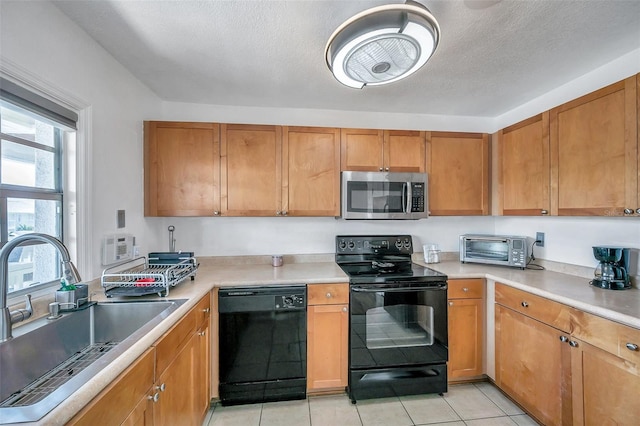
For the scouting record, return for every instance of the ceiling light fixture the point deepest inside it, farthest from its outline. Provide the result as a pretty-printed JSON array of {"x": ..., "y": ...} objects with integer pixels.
[{"x": 382, "y": 44}]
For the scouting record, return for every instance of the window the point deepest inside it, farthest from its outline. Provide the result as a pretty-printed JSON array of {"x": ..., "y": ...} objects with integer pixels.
[{"x": 31, "y": 183}]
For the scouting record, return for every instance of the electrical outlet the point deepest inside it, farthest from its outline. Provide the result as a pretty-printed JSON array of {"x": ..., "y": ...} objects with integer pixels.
[{"x": 540, "y": 239}]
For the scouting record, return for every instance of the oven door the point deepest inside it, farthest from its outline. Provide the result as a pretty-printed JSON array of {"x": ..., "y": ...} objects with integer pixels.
[{"x": 395, "y": 325}]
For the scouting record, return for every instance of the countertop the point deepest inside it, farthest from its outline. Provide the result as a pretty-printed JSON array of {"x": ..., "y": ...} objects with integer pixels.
[{"x": 620, "y": 306}]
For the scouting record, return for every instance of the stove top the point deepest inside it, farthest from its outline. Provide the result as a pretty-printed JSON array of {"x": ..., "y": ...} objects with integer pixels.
[{"x": 381, "y": 259}]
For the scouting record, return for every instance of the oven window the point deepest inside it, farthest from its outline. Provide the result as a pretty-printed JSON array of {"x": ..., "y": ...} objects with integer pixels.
[
  {"x": 375, "y": 197},
  {"x": 494, "y": 250},
  {"x": 399, "y": 326}
]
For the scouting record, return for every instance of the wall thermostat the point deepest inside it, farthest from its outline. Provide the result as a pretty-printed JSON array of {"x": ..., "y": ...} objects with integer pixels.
[{"x": 117, "y": 248}]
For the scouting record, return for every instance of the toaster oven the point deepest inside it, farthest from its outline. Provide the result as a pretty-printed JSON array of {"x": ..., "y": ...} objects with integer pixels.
[{"x": 504, "y": 250}]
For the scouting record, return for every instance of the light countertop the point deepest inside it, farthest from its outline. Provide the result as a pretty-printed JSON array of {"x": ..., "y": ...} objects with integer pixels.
[{"x": 620, "y": 306}]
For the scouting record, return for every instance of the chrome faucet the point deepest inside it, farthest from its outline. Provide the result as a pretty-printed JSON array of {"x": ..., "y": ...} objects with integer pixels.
[{"x": 7, "y": 318}]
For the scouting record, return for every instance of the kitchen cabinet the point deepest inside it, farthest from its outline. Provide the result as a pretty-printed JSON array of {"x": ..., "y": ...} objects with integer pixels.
[
  {"x": 594, "y": 153},
  {"x": 168, "y": 385},
  {"x": 327, "y": 336},
  {"x": 533, "y": 361},
  {"x": 523, "y": 168},
  {"x": 127, "y": 400},
  {"x": 458, "y": 168},
  {"x": 181, "y": 169},
  {"x": 605, "y": 364},
  {"x": 466, "y": 325},
  {"x": 279, "y": 171},
  {"x": 382, "y": 150}
]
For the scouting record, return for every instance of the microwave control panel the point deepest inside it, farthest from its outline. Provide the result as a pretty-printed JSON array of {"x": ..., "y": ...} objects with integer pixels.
[{"x": 417, "y": 199}]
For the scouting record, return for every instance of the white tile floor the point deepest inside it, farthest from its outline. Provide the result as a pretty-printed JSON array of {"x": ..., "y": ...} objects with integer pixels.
[{"x": 478, "y": 404}]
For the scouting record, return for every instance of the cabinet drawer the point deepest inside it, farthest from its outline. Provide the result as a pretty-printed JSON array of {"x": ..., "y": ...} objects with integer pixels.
[
  {"x": 615, "y": 338},
  {"x": 203, "y": 310},
  {"x": 547, "y": 311},
  {"x": 169, "y": 345},
  {"x": 466, "y": 289},
  {"x": 327, "y": 294}
]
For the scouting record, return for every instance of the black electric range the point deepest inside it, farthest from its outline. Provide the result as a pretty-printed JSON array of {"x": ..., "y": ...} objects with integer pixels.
[
  {"x": 398, "y": 340},
  {"x": 381, "y": 259}
]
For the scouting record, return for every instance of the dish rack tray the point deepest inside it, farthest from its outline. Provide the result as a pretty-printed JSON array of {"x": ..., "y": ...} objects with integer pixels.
[{"x": 142, "y": 276}]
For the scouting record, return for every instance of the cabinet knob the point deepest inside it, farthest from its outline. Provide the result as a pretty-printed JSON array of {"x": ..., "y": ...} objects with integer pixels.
[
  {"x": 278, "y": 213},
  {"x": 638, "y": 211},
  {"x": 206, "y": 310},
  {"x": 202, "y": 333},
  {"x": 632, "y": 346},
  {"x": 216, "y": 213},
  {"x": 386, "y": 169},
  {"x": 162, "y": 387},
  {"x": 381, "y": 169},
  {"x": 328, "y": 295},
  {"x": 284, "y": 213},
  {"x": 465, "y": 289},
  {"x": 155, "y": 397},
  {"x": 628, "y": 211},
  {"x": 450, "y": 303},
  {"x": 573, "y": 344},
  {"x": 525, "y": 304},
  {"x": 564, "y": 339},
  {"x": 544, "y": 211},
  {"x": 344, "y": 309}
]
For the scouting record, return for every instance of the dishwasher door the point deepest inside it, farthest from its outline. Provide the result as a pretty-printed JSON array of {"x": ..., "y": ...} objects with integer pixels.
[{"x": 263, "y": 344}]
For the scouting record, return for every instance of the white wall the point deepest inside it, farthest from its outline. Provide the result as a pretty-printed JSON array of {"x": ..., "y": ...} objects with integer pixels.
[{"x": 42, "y": 47}]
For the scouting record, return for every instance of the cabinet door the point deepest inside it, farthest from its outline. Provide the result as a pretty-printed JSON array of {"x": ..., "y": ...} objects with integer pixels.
[
  {"x": 458, "y": 168},
  {"x": 404, "y": 151},
  {"x": 121, "y": 398},
  {"x": 465, "y": 338},
  {"x": 594, "y": 153},
  {"x": 328, "y": 340},
  {"x": 361, "y": 150},
  {"x": 311, "y": 171},
  {"x": 181, "y": 169},
  {"x": 202, "y": 372},
  {"x": 605, "y": 387},
  {"x": 533, "y": 366},
  {"x": 177, "y": 402},
  {"x": 523, "y": 174},
  {"x": 251, "y": 170}
]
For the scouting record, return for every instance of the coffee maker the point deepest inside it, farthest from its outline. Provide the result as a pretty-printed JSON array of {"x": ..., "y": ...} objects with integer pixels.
[{"x": 612, "y": 271}]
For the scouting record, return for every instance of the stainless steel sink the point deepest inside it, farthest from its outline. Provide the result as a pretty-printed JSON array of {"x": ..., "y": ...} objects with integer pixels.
[{"x": 48, "y": 360}]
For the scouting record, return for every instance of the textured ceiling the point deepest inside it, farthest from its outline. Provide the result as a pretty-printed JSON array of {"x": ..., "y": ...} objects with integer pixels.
[{"x": 494, "y": 55}]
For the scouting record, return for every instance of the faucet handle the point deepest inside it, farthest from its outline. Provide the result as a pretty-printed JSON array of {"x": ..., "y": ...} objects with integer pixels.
[{"x": 24, "y": 313}]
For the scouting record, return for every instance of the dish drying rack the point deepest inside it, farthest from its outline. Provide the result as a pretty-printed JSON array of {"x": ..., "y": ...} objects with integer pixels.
[{"x": 142, "y": 276}]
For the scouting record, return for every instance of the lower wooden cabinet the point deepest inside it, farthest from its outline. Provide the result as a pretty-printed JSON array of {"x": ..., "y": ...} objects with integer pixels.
[
  {"x": 466, "y": 325},
  {"x": 533, "y": 361},
  {"x": 327, "y": 336},
  {"x": 168, "y": 385},
  {"x": 605, "y": 371}
]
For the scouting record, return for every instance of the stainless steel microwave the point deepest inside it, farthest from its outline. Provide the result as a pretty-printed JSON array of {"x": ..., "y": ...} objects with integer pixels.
[
  {"x": 384, "y": 195},
  {"x": 505, "y": 250}
]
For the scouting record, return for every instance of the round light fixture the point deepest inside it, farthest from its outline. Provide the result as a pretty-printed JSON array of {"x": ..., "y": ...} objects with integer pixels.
[{"x": 382, "y": 44}]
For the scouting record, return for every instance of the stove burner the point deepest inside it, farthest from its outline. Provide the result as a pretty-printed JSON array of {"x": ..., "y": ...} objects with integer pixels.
[{"x": 384, "y": 267}]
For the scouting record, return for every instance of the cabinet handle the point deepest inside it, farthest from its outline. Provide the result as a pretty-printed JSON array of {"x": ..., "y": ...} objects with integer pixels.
[
  {"x": 162, "y": 387},
  {"x": 573, "y": 344},
  {"x": 632, "y": 346},
  {"x": 544, "y": 211},
  {"x": 328, "y": 295},
  {"x": 628, "y": 211},
  {"x": 155, "y": 397},
  {"x": 216, "y": 213},
  {"x": 564, "y": 339},
  {"x": 525, "y": 304},
  {"x": 344, "y": 309}
]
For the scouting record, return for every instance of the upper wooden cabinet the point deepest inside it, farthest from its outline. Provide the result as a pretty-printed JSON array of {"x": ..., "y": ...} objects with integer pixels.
[
  {"x": 594, "y": 153},
  {"x": 523, "y": 168},
  {"x": 458, "y": 168},
  {"x": 382, "y": 150},
  {"x": 279, "y": 171},
  {"x": 310, "y": 172},
  {"x": 181, "y": 169}
]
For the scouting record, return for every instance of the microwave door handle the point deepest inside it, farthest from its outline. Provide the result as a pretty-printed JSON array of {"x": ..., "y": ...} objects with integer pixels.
[{"x": 407, "y": 196}]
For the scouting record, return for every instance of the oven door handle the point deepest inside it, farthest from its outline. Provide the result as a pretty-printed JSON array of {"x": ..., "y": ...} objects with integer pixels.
[{"x": 397, "y": 289}]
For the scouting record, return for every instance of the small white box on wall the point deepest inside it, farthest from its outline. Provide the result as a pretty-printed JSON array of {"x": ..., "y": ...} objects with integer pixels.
[{"x": 117, "y": 248}]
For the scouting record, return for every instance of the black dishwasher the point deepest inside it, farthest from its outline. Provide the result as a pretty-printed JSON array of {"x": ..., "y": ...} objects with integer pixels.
[{"x": 263, "y": 344}]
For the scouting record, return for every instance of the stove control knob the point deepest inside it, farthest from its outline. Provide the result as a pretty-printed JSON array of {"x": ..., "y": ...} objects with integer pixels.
[
  {"x": 407, "y": 244},
  {"x": 398, "y": 244},
  {"x": 351, "y": 245},
  {"x": 342, "y": 245},
  {"x": 287, "y": 301}
]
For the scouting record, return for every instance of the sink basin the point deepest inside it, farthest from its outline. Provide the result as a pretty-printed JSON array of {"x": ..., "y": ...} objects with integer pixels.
[{"x": 48, "y": 360}]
